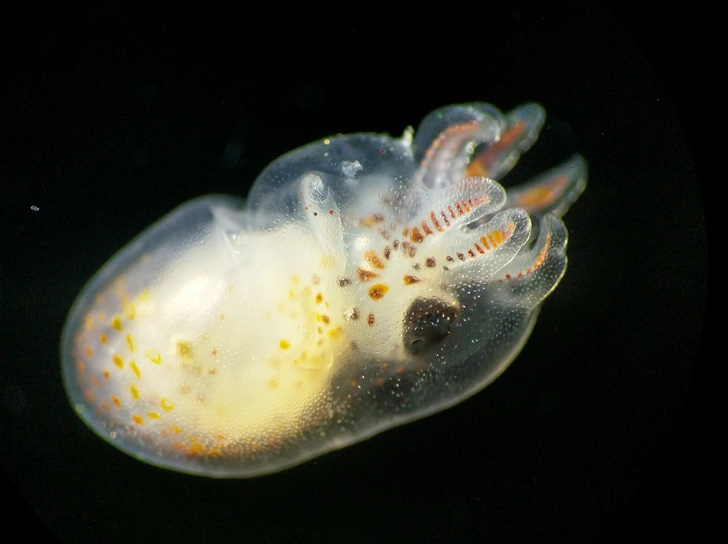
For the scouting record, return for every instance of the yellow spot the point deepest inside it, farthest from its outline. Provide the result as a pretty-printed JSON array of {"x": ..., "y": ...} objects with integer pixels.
[
  {"x": 197, "y": 448},
  {"x": 116, "y": 322},
  {"x": 103, "y": 338},
  {"x": 135, "y": 368},
  {"x": 130, "y": 342},
  {"x": 88, "y": 321},
  {"x": 128, "y": 308},
  {"x": 291, "y": 294},
  {"x": 284, "y": 344},
  {"x": 101, "y": 317},
  {"x": 89, "y": 351},
  {"x": 116, "y": 401},
  {"x": 134, "y": 391},
  {"x": 326, "y": 261},
  {"x": 176, "y": 430},
  {"x": 144, "y": 296},
  {"x": 118, "y": 361},
  {"x": 153, "y": 415},
  {"x": 336, "y": 333},
  {"x": 267, "y": 316},
  {"x": 295, "y": 280},
  {"x": 184, "y": 349},
  {"x": 153, "y": 355},
  {"x": 106, "y": 374},
  {"x": 138, "y": 420},
  {"x": 166, "y": 405},
  {"x": 273, "y": 383}
]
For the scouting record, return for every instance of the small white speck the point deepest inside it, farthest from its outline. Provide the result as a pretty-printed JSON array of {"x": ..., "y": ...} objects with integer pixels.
[{"x": 34, "y": 207}]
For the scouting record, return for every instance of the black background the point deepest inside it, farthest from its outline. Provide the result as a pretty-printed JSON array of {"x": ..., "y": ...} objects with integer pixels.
[{"x": 111, "y": 116}]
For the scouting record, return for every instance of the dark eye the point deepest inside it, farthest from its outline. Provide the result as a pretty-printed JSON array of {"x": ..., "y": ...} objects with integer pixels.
[{"x": 428, "y": 322}]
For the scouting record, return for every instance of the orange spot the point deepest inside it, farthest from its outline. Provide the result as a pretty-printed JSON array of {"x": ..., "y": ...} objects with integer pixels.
[
  {"x": 319, "y": 298},
  {"x": 197, "y": 449},
  {"x": 409, "y": 280},
  {"x": 103, "y": 338},
  {"x": 373, "y": 259},
  {"x": 105, "y": 406},
  {"x": 89, "y": 395},
  {"x": 416, "y": 235},
  {"x": 378, "y": 291},
  {"x": 89, "y": 351},
  {"x": 106, "y": 374},
  {"x": 116, "y": 401},
  {"x": 81, "y": 366},
  {"x": 138, "y": 420}
]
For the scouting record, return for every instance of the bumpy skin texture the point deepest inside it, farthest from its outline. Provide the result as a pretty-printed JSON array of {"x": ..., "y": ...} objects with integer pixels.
[{"x": 366, "y": 282}]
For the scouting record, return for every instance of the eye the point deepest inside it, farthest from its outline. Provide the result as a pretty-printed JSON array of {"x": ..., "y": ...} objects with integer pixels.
[{"x": 428, "y": 322}]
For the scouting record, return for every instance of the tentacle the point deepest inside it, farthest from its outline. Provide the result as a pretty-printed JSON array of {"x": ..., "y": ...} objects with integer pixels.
[
  {"x": 496, "y": 160},
  {"x": 450, "y": 135},
  {"x": 479, "y": 253},
  {"x": 536, "y": 270},
  {"x": 458, "y": 204},
  {"x": 553, "y": 191},
  {"x": 323, "y": 215}
]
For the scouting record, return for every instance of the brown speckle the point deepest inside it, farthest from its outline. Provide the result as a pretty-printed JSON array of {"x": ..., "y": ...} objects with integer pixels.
[
  {"x": 460, "y": 256},
  {"x": 351, "y": 314},
  {"x": 387, "y": 252},
  {"x": 370, "y": 320},
  {"x": 430, "y": 262},
  {"x": 366, "y": 275},
  {"x": 409, "y": 249},
  {"x": 409, "y": 280},
  {"x": 184, "y": 349},
  {"x": 450, "y": 259},
  {"x": 344, "y": 282}
]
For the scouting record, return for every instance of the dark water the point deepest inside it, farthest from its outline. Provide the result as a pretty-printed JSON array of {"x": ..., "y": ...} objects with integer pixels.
[{"x": 110, "y": 117}]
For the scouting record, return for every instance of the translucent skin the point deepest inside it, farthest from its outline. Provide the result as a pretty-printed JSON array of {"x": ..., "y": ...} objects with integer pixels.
[{"x": 366, "y": 282}]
